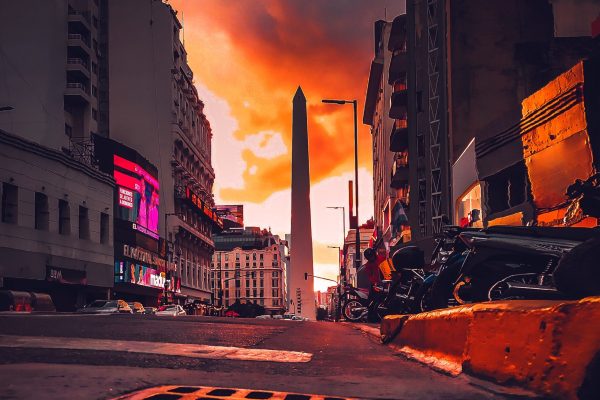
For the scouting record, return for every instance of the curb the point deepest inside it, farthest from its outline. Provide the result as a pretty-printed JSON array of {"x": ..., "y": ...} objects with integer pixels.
[{"x": 545, "y": 346}]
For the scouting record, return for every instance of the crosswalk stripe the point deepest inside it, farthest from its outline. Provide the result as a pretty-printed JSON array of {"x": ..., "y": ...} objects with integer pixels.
[{"x": 156, "y": 348}]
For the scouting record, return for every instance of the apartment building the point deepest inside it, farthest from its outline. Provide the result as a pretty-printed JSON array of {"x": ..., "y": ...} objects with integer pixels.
[
  {"x": 56, "y": 230},
  {"x": 248, "y": 266},
  {"x": 155, "y": 109}
]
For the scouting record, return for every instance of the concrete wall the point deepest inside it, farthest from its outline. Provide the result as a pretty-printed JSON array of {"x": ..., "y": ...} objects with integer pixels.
[
  {"x": 33, "y": 55},
  {"x": 486, "y": 79},
  {"x": 24, "y": 251}
]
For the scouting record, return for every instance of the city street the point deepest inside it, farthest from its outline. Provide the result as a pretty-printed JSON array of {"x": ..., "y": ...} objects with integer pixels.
[{"x": 321, "y": 358}]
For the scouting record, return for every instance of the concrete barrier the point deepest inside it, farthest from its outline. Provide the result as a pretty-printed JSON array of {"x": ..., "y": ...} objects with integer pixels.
[{"x": 546, "y": 346}]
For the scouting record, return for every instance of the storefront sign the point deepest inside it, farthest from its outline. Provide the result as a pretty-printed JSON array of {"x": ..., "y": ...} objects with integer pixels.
[
  {"x": 125, "y": 197},
  {"x": 66, "y": 276},
  {"x": 144, "y": 230},
  {"x": 144, "y": 256},
  {"x": 140, "y": 274},
  {"x": 203, "y": 207}
]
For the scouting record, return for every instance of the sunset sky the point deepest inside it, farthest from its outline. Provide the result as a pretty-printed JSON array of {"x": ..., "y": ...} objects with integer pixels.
[{"x": 248, "y": 58}]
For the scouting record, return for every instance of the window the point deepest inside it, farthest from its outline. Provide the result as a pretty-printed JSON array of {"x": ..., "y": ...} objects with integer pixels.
[
  {"x": 95, "y": 114},
  {"x": 262, "y": 274},
  {"x": 468, "y": 207},
  {"x": 42, "y": 214},
  {"x": 247, "y": 292},
  {"x": 508, "y": 188},
  {"x": 64, "y": 217},
  {"x": 95, "y": 21},
  {"x": 104, "y": 218},
  {"x": 84, "y": 223},
  {"x": 94, "y": 68},
  {"x": 9, "y": 203},
  {"x": 94, "y": 91},
  {"x": 261, "y": 256}
]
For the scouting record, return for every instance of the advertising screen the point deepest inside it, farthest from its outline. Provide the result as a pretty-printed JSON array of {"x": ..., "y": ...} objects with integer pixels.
[
  {"x": 138, "y": 195},
  {"x": 233, "y": 213}
]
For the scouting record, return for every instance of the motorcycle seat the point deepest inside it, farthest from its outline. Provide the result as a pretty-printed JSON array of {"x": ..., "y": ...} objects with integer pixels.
[{"x": 578, "y": 234}]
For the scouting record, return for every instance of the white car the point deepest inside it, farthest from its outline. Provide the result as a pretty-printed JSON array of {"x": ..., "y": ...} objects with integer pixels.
[
  {"x": 266, "y": 316},
  {"x": 171, "y": 310}
]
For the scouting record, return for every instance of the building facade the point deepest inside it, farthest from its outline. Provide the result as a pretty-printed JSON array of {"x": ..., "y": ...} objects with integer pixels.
[
  {"x": 248, "y": 267},
  {"x": 141, "y": 270},
  {"x": 376, "y": 115},
  {"x": 155, "y": 109},
  {"x": 56, "y": 230}
]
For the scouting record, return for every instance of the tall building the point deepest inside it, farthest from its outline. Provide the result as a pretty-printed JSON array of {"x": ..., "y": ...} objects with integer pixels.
[
  {"x": 155, "y": 109},
  {"x": 56, "y": 230},
  {"x": 449, "y": 81},
  {"x": 377, "y": 116},
  {"x": 248, "y": 267},
  {"x": 302, "y": 295}
]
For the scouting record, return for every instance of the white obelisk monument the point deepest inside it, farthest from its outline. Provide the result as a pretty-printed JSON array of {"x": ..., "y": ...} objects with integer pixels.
[{"x": 301, "y": 290}]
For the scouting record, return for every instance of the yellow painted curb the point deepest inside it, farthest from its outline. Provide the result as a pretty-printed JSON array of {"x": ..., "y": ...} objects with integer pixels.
[{"x": 545, "y": 346}]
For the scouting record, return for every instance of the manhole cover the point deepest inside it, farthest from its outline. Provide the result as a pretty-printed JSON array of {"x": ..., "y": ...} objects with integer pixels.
[{"x": 211, "y": 393}]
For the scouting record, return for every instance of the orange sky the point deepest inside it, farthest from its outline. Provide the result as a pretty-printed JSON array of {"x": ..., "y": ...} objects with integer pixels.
[
  {"x": 248, "y": 58},
  {"x": 255, "y": 53}
]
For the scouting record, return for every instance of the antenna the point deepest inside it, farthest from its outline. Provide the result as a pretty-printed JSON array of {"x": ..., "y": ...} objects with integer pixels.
[{"x": 385, "y": 13}]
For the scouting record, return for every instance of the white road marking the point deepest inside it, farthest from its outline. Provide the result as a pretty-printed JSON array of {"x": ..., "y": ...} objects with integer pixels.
[{"x": 160, "y": 348}]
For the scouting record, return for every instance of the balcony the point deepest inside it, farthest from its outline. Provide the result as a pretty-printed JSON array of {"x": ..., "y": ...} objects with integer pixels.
[
  {"x": 77, "y": 93},
  {"x": 398, "y": 65},
  {"x": 400, "y": 173},
  {"x": 399, "y": 100},
  {"x": 397, "y": 33},
  {"x": 78, "y": 66},
  {"x": 399, "y": 136},
  {"x": 78, "y": 40},
  {"x": 78, "y": 20}
]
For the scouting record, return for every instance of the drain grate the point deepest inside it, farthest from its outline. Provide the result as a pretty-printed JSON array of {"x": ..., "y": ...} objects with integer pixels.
[{"x": 212, "y": 393}]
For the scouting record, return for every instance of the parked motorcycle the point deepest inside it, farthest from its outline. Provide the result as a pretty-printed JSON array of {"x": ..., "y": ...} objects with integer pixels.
[
  {"x": 577, "y": 273},
  {"x": 356, "y": 304},
  {"x": 530, "y": 262}
]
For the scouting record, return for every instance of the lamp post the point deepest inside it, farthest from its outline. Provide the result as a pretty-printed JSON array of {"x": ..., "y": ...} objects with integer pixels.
[{"x": 354, "y": 104}]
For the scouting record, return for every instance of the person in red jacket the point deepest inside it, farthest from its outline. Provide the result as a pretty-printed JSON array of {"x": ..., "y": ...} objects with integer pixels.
[{"x": 372, "y": 266}]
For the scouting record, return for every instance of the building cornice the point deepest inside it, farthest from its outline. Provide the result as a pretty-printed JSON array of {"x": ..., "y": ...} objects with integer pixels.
[{"x": 46, "y": 152}]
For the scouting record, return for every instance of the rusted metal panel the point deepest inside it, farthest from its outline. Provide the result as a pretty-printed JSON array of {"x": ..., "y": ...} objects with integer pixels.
[
  {"x": 515, "y": 219},
  {"x": 552, "y": 170}
]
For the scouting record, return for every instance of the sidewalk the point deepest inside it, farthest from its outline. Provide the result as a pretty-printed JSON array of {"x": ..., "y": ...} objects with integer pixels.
[{"x": 551, "y": 347}]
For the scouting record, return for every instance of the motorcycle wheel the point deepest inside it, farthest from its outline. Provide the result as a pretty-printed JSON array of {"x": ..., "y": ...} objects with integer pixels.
[
  {"x": 577, "y": 274},
  {"x": 349, "y": 314},
  {"x": 441, "y": 294},
  {"x": 423, "y": 299}
]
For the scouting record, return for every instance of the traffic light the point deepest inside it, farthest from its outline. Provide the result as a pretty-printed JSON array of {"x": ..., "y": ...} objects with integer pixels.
[{"x": 306, "y": 276}]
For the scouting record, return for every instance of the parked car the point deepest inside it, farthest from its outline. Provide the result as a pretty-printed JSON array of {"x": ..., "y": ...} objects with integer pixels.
[
  {"x": 137, "y": 307},
  {"x": 172, "y": 310},
  {"x": 150, "y": 310},
  {"x": 277, "y": 316},
  {"x": 266, "y": 316},
  {"x": 106, "y": 307}
]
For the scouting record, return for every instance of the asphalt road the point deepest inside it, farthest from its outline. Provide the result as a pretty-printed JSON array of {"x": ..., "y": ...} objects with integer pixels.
[{"x": 105, "y": 356}]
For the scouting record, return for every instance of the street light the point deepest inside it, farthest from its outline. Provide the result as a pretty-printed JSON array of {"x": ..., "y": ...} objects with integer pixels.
[
  {"x": 354, "y": 103},
  {"x": 169, "y": 256}
]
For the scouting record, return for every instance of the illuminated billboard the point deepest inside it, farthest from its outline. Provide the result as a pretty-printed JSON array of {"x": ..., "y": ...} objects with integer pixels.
[
  {"x": 233, "y": 213},
  {"x": 138, "y": 195}
]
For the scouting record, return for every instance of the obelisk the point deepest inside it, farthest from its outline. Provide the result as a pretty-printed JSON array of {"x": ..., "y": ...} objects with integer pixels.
[{"x": 302, "y": 296}]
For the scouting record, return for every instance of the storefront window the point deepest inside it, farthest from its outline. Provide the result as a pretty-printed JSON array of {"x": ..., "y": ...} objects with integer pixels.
[{"x": 468, "y": 208}]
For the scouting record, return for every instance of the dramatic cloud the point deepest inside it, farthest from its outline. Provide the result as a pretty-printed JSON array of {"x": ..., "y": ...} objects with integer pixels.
[{"x": 253, "y": 54}]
